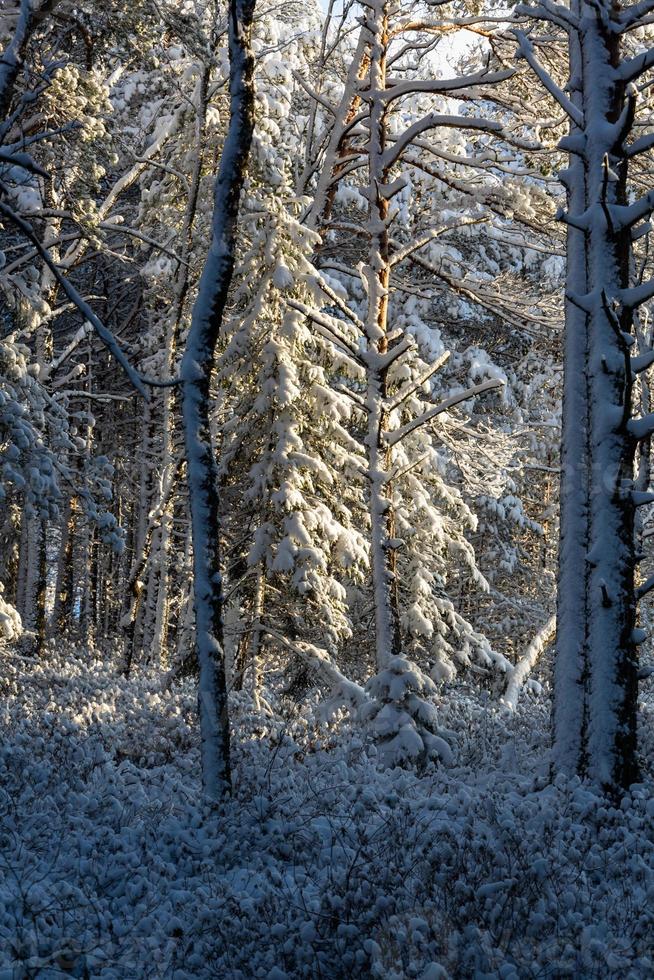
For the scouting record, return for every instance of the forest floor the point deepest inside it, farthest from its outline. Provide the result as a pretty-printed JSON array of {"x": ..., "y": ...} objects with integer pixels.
[{"x": 320, "y": 865}]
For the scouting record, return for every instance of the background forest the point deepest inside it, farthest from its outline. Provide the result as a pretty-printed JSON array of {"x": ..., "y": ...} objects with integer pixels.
[{"x": 324, "y": 341}]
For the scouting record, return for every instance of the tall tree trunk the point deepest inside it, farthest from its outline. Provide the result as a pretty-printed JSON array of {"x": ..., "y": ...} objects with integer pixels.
[
  {"x": 611, "y": 607},
  {"x": 572, "y": 619},
  {"x": 255, "y": 644},
  {"x": 21, "y": 575},
  {"x": 596, "y": 673},
  {"x": 387, "y": 619},
  {"x": 160, "y": 624},
  {"x": 196, "y": 371}
]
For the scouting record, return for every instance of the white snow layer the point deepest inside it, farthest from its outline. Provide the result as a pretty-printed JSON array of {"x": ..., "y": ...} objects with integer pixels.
[{"x": 323, "y": 864}]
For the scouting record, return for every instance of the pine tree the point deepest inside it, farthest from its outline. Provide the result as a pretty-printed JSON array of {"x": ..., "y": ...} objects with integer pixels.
[{"x": 597, "y": 633}]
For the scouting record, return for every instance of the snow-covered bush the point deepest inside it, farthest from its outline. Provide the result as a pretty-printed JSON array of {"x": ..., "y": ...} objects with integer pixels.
[
  {"x": 322, "y": 864},
  {"x": 401, "y": 717},
  {"x": 10, "y": 622}
]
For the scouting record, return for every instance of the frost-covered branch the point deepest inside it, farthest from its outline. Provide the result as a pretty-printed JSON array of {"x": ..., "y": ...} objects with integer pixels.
[
  {"x": 103, "y": 332},
  {"x": 519, "y": 674},
  {"x": 632, "y": 69},
  {"x": 327, "y": 673},
  {"x": 633, "y": 15},
  {"x": 434, "y": 121},
  {"x": 329, "y": 325},
  {"x": 642, "y": 362},
  {"x": 29, "y": 15},
  {"x": 645, "y": 588},
  {"x": 526, "y": 50},
  {"x": 555, "y": 13},
  {"x": 642, "y": 428},
  {"x": 392, "y": 438},
  {"x": 408, "y": 389},
  {"x": 399, "y": 89},
  {"x": 635, "y": 296}
]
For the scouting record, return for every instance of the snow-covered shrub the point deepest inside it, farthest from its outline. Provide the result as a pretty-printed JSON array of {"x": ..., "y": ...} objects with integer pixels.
[
  {"x": 11, "y": 626},
  {"x": 401, "y": 718},
  {"x": 321, "y": 864}
]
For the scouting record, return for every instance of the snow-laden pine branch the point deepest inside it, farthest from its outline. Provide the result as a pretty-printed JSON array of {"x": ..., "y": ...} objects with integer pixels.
[{"x": 519, "y": 673}]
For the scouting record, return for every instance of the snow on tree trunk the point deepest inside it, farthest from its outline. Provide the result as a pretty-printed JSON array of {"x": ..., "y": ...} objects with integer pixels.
[
  {"x": 387, "y": 618},
  {"x": 597, "y": 665},
  {"x": 569, "y": 707},
  {"x": 196, "y": 370},
  {"x": 612, "y": 661}
]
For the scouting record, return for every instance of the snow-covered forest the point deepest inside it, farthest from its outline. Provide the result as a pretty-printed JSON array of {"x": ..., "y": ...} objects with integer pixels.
[{"x": 326, "y": 506}]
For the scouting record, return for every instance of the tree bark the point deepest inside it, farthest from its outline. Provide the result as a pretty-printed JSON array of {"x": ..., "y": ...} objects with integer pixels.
[
  {"x": 597, "y": 665},
  {"x": 196, "y": 371}
]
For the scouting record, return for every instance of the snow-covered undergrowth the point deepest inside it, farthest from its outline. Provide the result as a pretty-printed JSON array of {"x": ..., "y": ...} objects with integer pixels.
[
  {"x": 320, "y": 866},
  {"x": 10, "y": 622}
]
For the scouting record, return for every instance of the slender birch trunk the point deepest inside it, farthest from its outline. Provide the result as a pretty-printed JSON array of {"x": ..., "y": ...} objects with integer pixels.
[{"x": 196, "y": 371}]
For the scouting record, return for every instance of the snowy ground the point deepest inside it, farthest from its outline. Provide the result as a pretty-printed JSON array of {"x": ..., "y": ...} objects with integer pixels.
[{"x": 320, "y": 866}]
